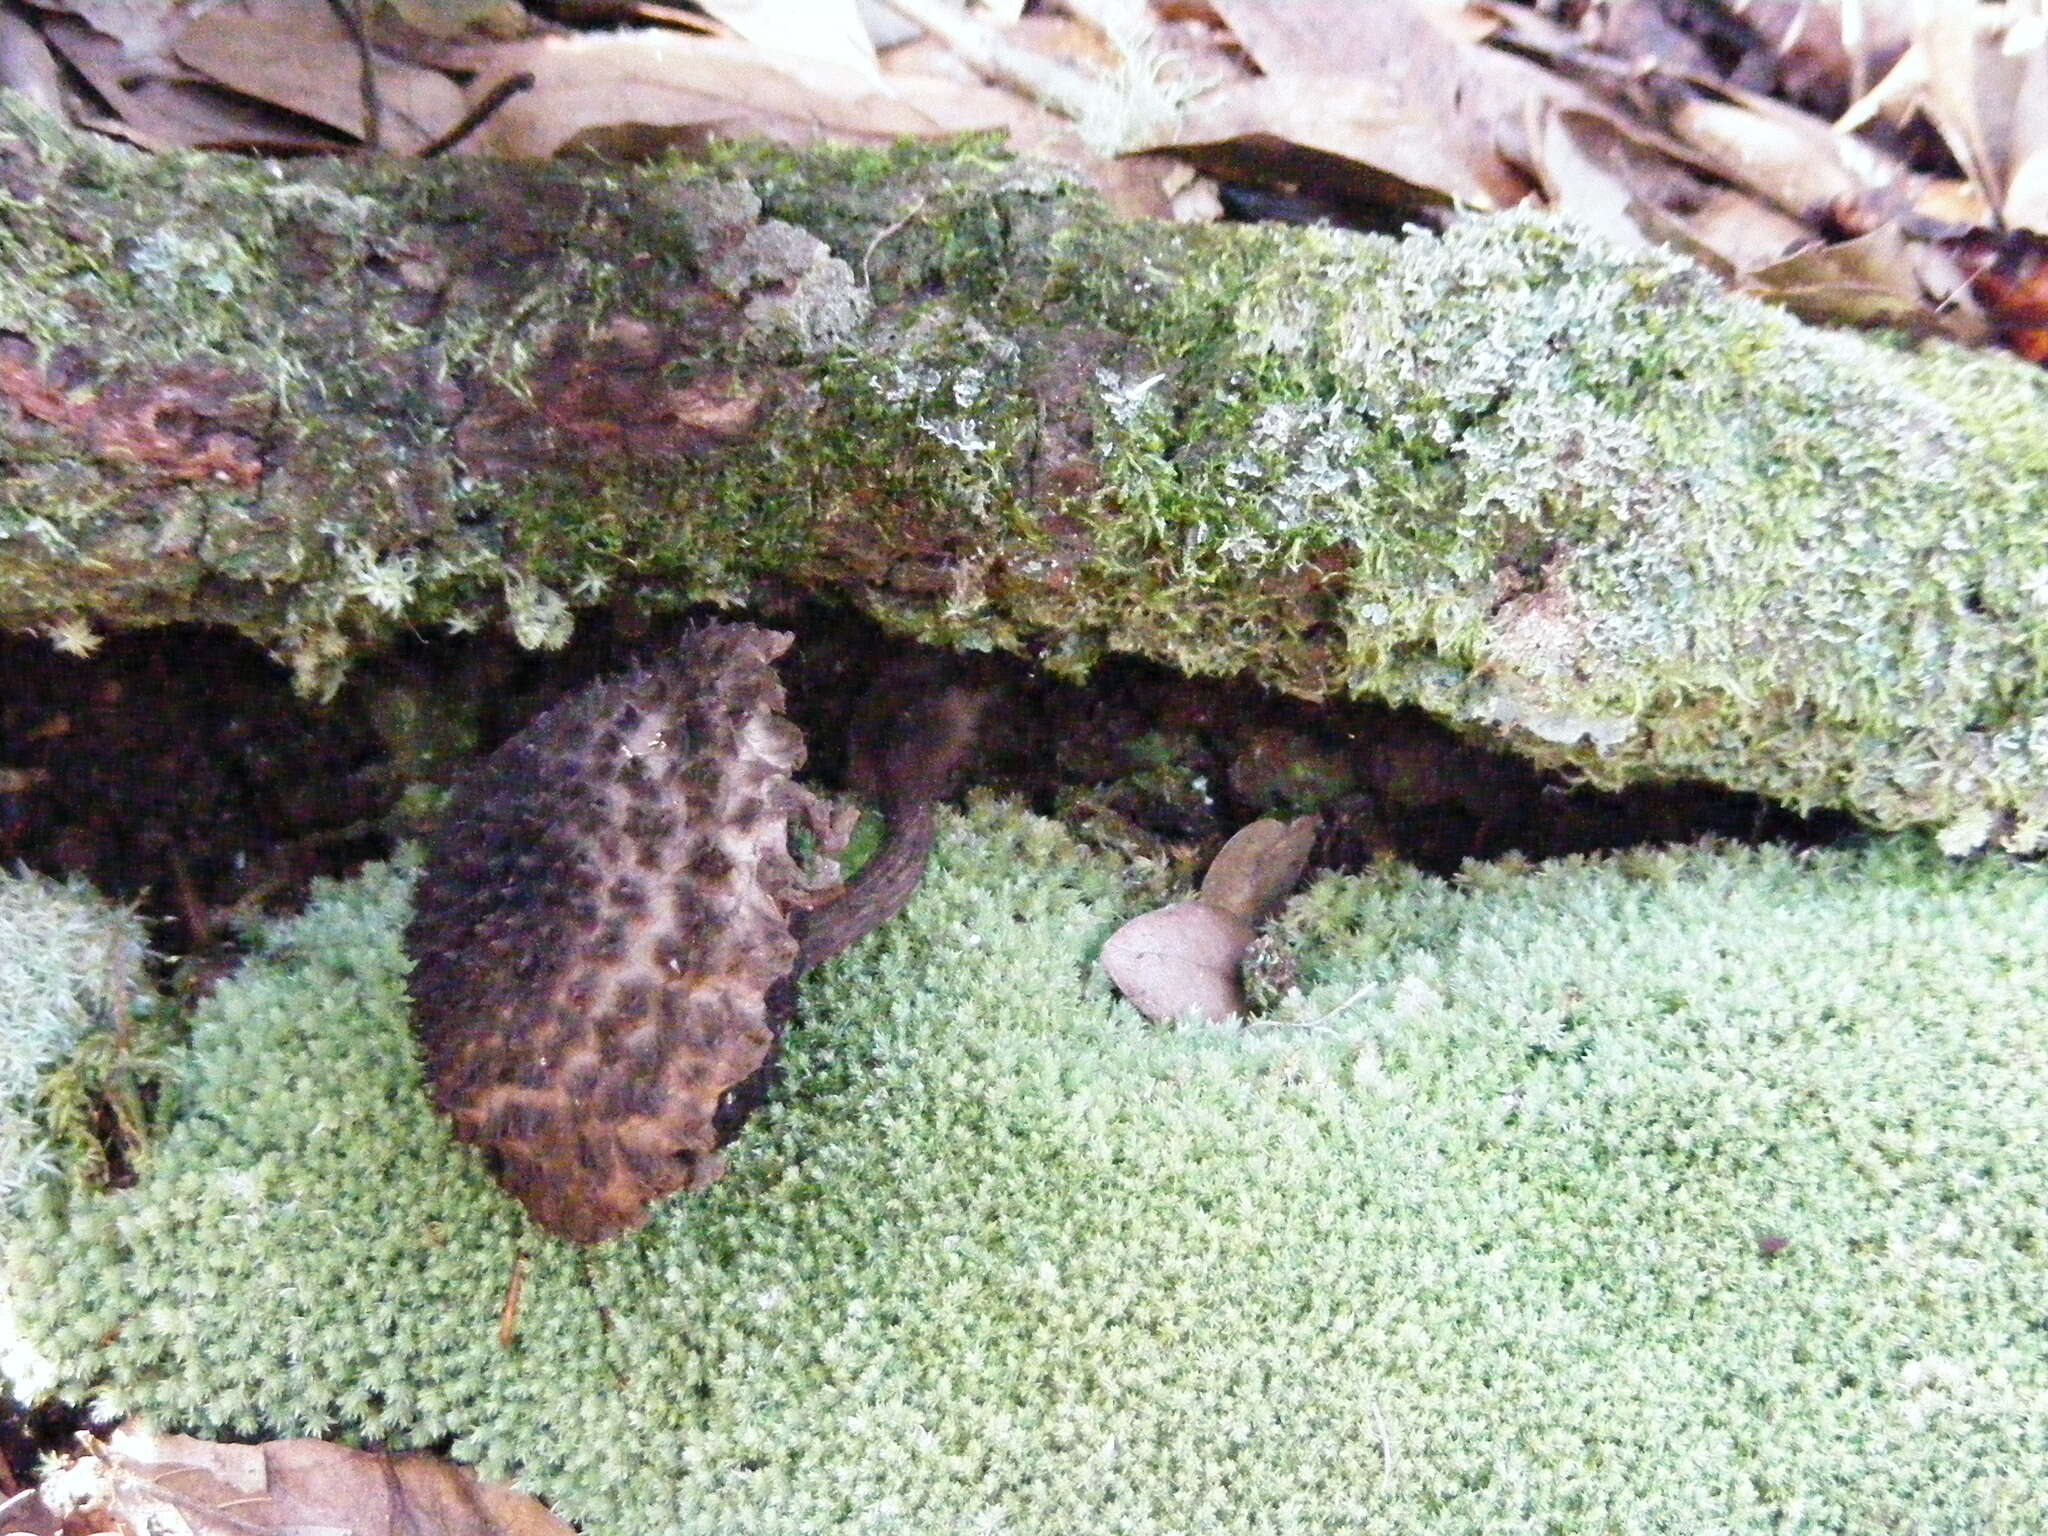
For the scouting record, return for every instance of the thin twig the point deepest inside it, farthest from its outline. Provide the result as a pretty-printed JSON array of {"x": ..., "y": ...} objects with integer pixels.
[
  {"x": 373, "y": 106},
  {"x": 508, "y": 1315},
  {"x": 866, "y": 281},
  {"x": 1321, "y": 1020},
  {"x": 1386, "y": 1444},
  {"x": 473, "y": 119}
]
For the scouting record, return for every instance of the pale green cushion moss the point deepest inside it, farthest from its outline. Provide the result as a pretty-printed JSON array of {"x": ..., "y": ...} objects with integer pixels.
[
  {"x": 1485, "y": 1252},
  {"x": 69, "y": 960}
]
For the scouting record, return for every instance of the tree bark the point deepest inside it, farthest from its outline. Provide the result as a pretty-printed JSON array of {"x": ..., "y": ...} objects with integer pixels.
[{"x": 1574, "y": 498}]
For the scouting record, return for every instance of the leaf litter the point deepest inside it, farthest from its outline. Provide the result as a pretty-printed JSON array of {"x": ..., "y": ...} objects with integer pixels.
[{"x": 1863, "y": 162}]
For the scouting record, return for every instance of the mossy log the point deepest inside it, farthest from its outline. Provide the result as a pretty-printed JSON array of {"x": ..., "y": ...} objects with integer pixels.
[{"x": 1573, "y": 497}]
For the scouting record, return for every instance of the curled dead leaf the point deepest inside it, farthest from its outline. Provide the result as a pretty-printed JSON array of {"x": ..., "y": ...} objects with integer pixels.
[
  {"x": 297, "y": 55},
  {"x": 1372, "y": 104},
  {"x": 1874, "y": 279},
  {"x": 1180, "y": 960},
  {"x": 1257, "y": 868},
  {"x": 140, "y": 1483},
  {"x": 669, "y": 80}
]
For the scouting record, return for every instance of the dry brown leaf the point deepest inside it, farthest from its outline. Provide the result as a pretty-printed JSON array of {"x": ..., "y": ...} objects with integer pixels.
[
  {"x": 1620, "y": 180},
  {"x": 1951, "y": 201},
  {"x": 297, "y": 55},
  {"x": 1590, "y": 167},
  {"x": 1648, "y": 36},
  {"x": 1744, "y": 232},
  {"x": 452, "y": 21},
  {"x": 1350, "y": 141},
  {"x": 26, "y": 1514},
  {"x": 1793, "y": 160},
  {"x": 668, "y": 80},
  {"x": 143, "y": 28},
  {"x": 925, "y": 77},
  {"x": 1978, "y": 94},
  {"x": 1370, "y": 102},
  {"x": 27, "y": 65},
  {"x": 152, "y": 1483},
  {"x": 1981, "y": 74},
  {"x": 1066, "y": 39},
  {"x": 1180, "y": 960},
  {"x": 660, "y": 82},
  {"x": 995, "y": 57},
  {"x": 1874, "y": 279},
  {"x": 932, "y": 78},
  {"x": 1832, "y": 47},
  {"x": 174, "y": 112},
  {"x": 1254, "y": 872}
]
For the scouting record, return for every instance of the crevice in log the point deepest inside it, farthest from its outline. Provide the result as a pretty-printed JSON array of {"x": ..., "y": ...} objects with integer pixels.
[{"x": 175, "y": 766}]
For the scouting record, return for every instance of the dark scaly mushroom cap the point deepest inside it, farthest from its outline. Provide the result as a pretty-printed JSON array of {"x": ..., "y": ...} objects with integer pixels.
[{"x": 603, "y": 934}]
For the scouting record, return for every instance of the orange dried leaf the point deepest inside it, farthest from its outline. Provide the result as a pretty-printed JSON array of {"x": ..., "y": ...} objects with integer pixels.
[
  {"x": 1370, "y": 102},
  {"x": 142, "y": 1483},
  {"x": 169, "y": 108},
  {"x": 670, "y": 80},
  {"x": 1871, "y": 280}
]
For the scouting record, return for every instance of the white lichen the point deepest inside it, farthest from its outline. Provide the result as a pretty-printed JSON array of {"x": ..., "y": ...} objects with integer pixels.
[{"x": 74, "y": 636}]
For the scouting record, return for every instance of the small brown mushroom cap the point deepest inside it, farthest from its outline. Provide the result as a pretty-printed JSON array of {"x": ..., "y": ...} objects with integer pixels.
[{"x": 602, "y": 936}]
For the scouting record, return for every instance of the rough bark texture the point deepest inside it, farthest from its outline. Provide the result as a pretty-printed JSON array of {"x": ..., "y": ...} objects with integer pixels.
[{"x": 1579, "y": 499}]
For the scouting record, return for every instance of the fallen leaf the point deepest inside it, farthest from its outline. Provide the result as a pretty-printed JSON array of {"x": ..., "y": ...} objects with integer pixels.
[
  {"x": 1743, "y": 231},
  {"x": 668, "y": 80},
  {"x": 296, "y": 54},
  {"x": 1359, "y": 103},
  {"x": 1590, "y": 168},
  {"x": 174, "y": 111},
  {"x": 148, "y": 1483},
  {"x": 143, "y": 28},
  {"x": 1871, "y": 280},
  {"x": 26, "y": 1514},
  {"x": 926, "y": 78},
  {"x": 1183, "y": 960},
  {"x": 26, "y": 64},
  {"x": 1254, "y": 872},
  {"x": 1794, "y": 160},
  {"x": 1990, "y": 101},
  {"x": 1179, "y": 961},
  {"x": 452, "y": 20}
]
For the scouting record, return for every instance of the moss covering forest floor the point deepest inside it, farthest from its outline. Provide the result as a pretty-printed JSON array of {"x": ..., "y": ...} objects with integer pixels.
[
  {"x": 1675, "y": 1189},
  {"x": 1694, "y": 1190}
]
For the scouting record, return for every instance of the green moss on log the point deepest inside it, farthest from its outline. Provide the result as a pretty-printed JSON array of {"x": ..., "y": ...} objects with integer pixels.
[{"x": 1578, "y": 500}]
